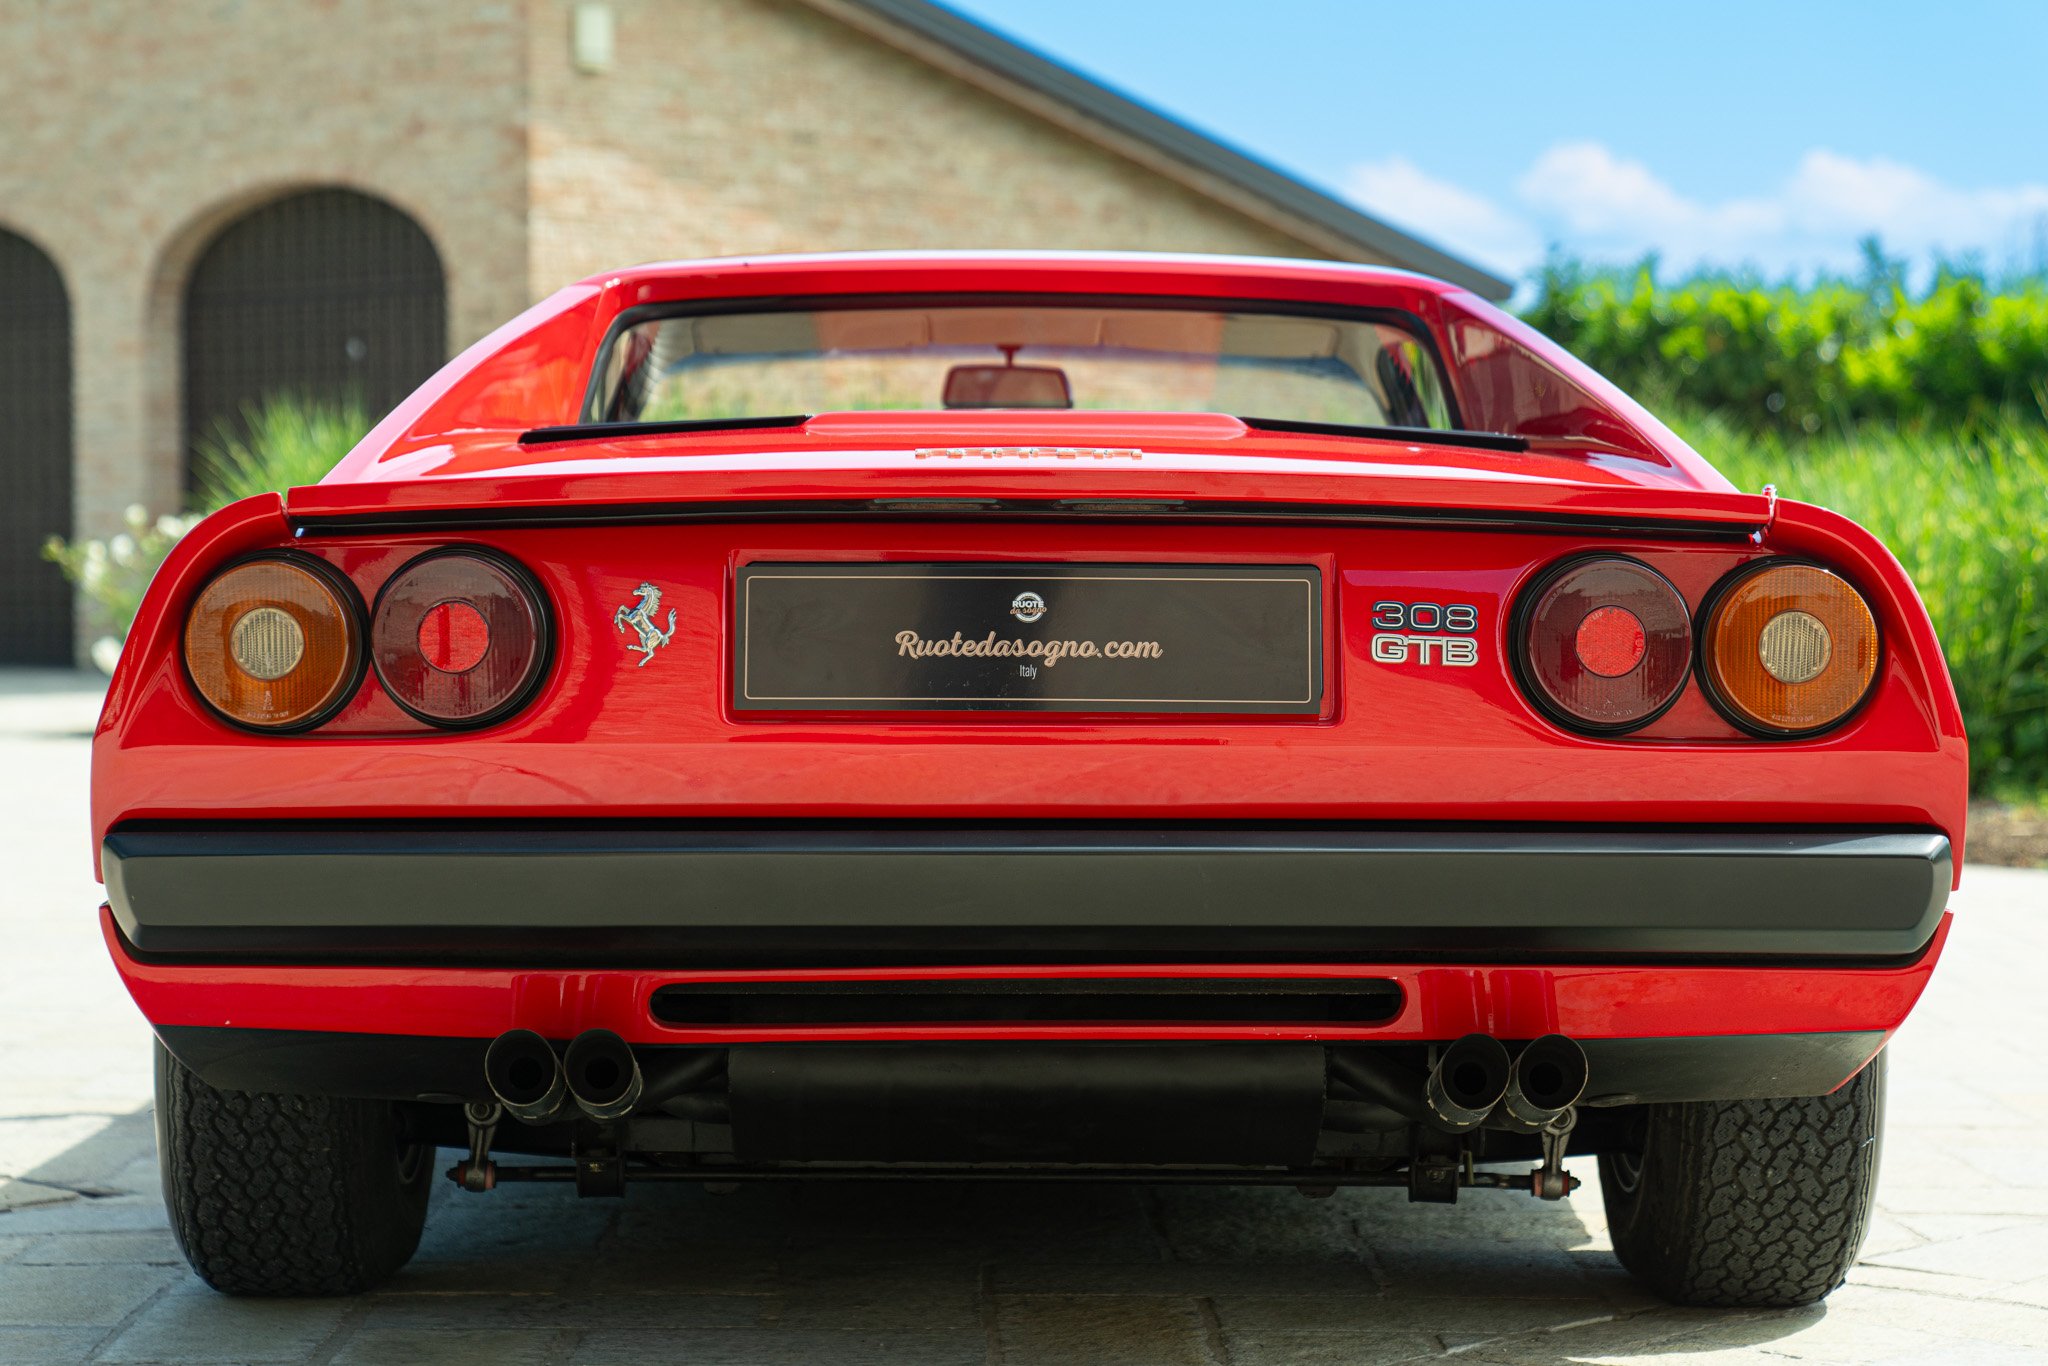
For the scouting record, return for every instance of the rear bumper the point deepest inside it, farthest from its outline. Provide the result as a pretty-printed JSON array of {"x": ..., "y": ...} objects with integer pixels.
[
  {"x": 740, "y": 895},
  {"x": 381, "y": 961},
  {"x": 1664, "y": 1031}
]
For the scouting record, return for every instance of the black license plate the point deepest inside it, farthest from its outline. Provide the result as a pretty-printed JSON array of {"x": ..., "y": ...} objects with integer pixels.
[{"x": 1029, "y": 637}]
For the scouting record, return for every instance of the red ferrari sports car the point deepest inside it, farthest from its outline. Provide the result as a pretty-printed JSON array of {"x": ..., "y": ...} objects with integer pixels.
[{"x": 974, "y": 716}]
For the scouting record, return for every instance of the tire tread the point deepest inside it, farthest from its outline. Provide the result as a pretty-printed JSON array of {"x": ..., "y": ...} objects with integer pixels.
[
  {"x": 1760, "y": 1203},
  {"x": 284, "y": 1195}
]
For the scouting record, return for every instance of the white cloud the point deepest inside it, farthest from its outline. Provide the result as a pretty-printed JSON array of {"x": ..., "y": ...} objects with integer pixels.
[
  {"x": 1598, "y": 204},
  {"x": 1589, "y": 189},
  {"x": 1444, "y": 213},
  {"x": 1829, "y": 192}
]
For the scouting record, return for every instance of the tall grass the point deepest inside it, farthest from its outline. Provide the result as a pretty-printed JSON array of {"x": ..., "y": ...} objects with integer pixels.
[{"x": 1967, "y": 514}]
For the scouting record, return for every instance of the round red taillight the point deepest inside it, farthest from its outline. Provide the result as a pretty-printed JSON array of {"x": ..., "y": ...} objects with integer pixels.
[
  {"x": 454, "y": 637},
  {"x": 459, "y": 637},
  {"x": 1604, "y": 644},
  {"x": 1611, "y": 641}
]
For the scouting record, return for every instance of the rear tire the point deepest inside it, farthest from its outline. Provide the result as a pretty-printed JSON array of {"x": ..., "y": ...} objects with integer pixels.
[
  {"x": 1748, "y": 1203},
  {"x": 287, "y": 1195}
]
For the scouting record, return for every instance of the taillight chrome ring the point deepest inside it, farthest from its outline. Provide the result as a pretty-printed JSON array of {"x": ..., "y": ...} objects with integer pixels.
[
  {"x": 460, "y": 636},
  {"x": 1602, "y": 644}
]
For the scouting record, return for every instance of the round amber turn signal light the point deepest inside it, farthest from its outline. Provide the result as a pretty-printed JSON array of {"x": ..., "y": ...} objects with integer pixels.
[
  {"x": 1790, "y": 648},
  {"x": 275, "y": 643}
]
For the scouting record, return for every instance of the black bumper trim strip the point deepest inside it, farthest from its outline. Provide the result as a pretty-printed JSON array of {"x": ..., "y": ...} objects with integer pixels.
[{"x": 730, "y": 892}]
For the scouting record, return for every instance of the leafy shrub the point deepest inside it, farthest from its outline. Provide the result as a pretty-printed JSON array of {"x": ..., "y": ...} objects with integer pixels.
[
  {"x": 286, "y": 442},
  {"x": 1781, "y": 357},
  {"x": 1964, "y": 513},
  {"x": 114, "y": 573}
]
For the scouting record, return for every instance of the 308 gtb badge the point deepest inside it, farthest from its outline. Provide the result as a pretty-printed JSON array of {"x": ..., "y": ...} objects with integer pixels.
[{"x": 1425, "y": 633}]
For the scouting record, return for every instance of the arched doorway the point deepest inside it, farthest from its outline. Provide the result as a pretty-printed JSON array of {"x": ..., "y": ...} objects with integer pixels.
[
  {"x": 325, "y": 293},
  {"x": 35, "y": 454}
]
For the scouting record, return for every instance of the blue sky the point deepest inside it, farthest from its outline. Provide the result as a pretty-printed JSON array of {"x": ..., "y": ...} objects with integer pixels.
[{"x": 1738, "y": 133}]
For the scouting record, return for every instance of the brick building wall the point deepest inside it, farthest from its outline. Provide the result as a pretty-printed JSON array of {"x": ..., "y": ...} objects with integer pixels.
[
  {"x": 731, "y": 126},
  {"x": 135, "y": 130}
]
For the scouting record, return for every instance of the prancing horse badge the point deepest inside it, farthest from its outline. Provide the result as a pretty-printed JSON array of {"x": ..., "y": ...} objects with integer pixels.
[{"x": 640, "y": 616}]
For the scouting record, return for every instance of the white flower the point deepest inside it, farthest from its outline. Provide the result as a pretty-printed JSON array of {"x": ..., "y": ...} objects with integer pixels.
[
  {"x": 122, "y": 548},
  {"x": 137, "y": 516},
  {"x": 171, "y": 528},
  {"x": 106, "y": 653}
]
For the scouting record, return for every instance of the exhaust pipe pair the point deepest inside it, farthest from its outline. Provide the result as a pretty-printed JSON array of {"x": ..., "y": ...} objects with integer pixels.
[
  {"x": 1475, "y": 1078},
  {"x": 597, "y": 1072}
]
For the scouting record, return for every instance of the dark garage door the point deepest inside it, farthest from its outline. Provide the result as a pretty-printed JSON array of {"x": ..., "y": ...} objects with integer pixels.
[
  {"x": 35, "y": 454},
  {"x": 325, "y": 294}
]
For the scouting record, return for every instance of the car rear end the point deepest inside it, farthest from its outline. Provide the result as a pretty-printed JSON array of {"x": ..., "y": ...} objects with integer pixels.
[{"x": 1030, "y": 792}]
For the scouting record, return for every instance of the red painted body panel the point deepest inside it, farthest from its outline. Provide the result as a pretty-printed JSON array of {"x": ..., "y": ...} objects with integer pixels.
[
  {"x": 1438, "y": 1002},
  {"x": 605, "y": 740},
  {"x": 1395, "y": 743}
]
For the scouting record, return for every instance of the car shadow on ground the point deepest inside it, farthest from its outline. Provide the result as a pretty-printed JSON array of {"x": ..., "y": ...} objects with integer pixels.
[{"x": 884, "y": 1272}]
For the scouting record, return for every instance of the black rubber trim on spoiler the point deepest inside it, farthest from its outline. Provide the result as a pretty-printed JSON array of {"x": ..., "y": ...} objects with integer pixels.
[
  {"x": 599, "y": 431},
  {"x": 1015, "y": 509},
  {"x": 1418, "y": 436}
]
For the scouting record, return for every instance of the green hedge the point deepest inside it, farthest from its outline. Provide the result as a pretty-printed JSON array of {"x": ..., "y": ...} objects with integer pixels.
[
  {"x": 1967, "y": 514},
  {"x": 1786, "y": 358}
]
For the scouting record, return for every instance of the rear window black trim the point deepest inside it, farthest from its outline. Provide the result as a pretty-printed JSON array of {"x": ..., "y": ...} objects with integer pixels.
[
  {"x": 598, "y": 431},
  {"x": 1421, "y": 436},
  {"x": 967, "y": 298}
]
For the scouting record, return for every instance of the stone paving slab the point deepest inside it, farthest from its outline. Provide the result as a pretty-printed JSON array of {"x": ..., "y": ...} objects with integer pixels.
[{"x": 1956, "y": 1268}]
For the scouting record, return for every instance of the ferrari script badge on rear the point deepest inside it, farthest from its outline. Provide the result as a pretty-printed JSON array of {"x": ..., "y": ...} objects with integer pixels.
[{"x": 640, "y": 616}]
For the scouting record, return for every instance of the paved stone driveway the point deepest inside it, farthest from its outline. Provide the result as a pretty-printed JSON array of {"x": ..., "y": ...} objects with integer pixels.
[{"x": 1956, "y": 1269}]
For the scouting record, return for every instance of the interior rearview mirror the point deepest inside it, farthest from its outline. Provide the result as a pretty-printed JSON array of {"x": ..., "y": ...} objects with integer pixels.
[{"x": 1007, "y": 386}]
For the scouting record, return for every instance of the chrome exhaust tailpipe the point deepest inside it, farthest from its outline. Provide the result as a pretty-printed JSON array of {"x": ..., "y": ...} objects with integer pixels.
[
  {"x": 1547, "y": 1079},
  {"x": 604, "y": 1077},
  {"x": 1467, "y": 1083},
  {"x": 524, "y": 1074}
]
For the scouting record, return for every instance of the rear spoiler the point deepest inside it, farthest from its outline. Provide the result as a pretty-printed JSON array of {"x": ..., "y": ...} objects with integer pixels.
[{"x": 914, "y": 485}]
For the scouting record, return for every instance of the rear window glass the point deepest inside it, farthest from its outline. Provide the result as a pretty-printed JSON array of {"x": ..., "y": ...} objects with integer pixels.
[{"x": 909, "y": 357}]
